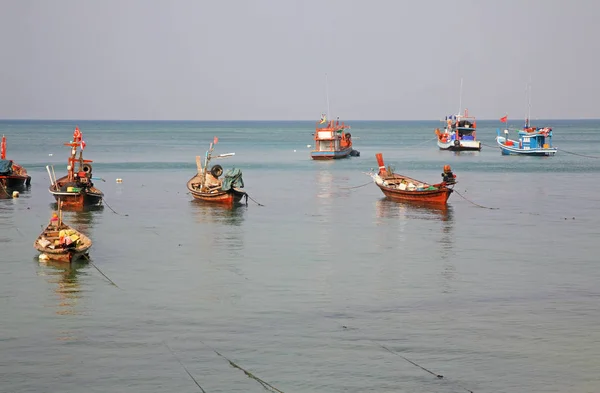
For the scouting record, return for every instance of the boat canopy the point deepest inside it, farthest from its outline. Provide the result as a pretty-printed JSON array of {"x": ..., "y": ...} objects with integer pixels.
[
  {"x": 233, "y": 179},
  {"x": 6, "y": 167}
]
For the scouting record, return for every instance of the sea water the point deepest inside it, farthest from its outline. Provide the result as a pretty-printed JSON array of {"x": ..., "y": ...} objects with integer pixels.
[{"x": 498, "y": 292}]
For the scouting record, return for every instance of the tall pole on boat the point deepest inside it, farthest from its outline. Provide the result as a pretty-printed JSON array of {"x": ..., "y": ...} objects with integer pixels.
[
  {"x": 460, "y": 97},
  {"x": 327, "y": 95},
  {"x": 529, "y": 103}
]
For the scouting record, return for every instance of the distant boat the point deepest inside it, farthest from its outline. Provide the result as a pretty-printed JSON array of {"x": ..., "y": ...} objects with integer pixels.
[
  {"x": 405, "y": 189},
  {"x": 332, "y": 141},
  {"x": 207, "y": 186},
  {"x": 60, "y": 242},
  {"x": 531, "y": 142},
  {"x": 11, "y": 174},
  {"x": 76, "y": 189},
  {"x": 460, "y": 133}
]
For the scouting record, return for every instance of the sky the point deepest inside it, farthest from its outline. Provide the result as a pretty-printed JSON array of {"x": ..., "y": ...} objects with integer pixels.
[{"x": 286, "y": 59}]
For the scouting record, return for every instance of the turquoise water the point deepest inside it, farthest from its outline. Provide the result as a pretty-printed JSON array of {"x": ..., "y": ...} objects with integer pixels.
[{"x": 304, "y": 291}]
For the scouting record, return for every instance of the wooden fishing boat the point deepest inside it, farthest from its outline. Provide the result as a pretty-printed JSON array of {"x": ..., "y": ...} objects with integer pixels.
[
  {"x": 60, "y": 242},
  {"x": 11, "y": 175},
  {"x": 206, "y": 185},
  {"x": 76, "y": 189},
  {"x": 332, "y": 141},
  {"x": 405, "y": 189},
  {"x": 460, "y": 133}
]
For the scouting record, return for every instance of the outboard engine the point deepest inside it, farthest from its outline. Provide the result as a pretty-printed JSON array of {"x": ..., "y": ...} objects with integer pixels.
[{"x": 447, "y": 176}]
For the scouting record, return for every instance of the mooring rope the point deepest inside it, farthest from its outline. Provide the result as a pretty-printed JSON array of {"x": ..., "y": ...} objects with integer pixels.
[
  {"x": 476, "y": 204},
  {"x": 351, "y": 188},
  {"x": 264, "y": 383},
  {"x": 185, "y": 368},
  {"x": 577, "y": 154},
  {"x": 107, "y": 205},
  {"x": 248, "y": 196}
]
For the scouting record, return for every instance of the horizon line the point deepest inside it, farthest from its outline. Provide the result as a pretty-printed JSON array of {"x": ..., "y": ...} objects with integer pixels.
[{"x": 272, "y": 120}]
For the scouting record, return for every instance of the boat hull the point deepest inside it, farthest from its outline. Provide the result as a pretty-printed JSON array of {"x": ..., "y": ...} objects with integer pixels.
[
  {"x": 15, "y": 181},
  {"x": 330, "y": 154},
  {"x": 436, "y": 197},
  {"x": 81, "y": 199},
  {"x": 462, "y": 146},
  {"x": 230, "y": 197},
  {"x": 84, "y": 197},
  {"x": 514, "y": 150},
  {"x": 66, "y": 255}
]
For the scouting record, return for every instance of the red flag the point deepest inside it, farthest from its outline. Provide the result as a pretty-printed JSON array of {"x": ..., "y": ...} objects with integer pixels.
[
  {"x": 3, "y": 148},
  {"x": 504, "y": 119},
  {"x": 82, "y": 144},
  {"x": 76, "y": 135},
  {"x": 215, "y": 140}
]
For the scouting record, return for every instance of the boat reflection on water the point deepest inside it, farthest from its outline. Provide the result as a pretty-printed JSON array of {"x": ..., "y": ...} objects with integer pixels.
[
  {"x": 81, "y": 209},
  {"x": 387, "y": 208},
  {"x": 66, "y": 278},
  {"x": 218, "y": 214}
]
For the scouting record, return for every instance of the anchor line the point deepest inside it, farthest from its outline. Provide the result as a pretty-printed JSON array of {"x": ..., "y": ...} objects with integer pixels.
[
  {"x": 476, "y": 204},
  {"x": 107, "y": 205},
  {"x": 577, "y": 154}
]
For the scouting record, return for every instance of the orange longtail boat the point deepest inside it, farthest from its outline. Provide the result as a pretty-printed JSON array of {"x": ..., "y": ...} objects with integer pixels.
[
  {"x": 11, "y": 174},
  {"x": 405, "y": 189},
  {"x": 76, "y": 189}
]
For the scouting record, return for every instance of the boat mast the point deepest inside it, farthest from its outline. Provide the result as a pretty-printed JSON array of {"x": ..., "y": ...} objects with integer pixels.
[
  {"x": 528, "y": 104},
  {"x": 460, "y": 97},
  {"x": 327, "y": 95}
]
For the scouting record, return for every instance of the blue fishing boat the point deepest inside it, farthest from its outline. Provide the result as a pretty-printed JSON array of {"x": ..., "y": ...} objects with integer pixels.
[{"x": 531, "y": 142}]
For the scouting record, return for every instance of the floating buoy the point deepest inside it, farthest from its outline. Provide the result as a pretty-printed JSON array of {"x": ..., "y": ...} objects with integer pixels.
[
  {"x": 119, "y": 180},
  {"x": 50, "y": 154},
  {"x": 15, "y": 194},
  {"x": 294, "y": 150},
  {"x": 307, "y": 145}
]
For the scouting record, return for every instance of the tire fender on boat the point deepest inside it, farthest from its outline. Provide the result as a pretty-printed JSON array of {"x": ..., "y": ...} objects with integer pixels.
[
  {"x": 456, "y": 142},
  {"x": 216, "y": 170}
]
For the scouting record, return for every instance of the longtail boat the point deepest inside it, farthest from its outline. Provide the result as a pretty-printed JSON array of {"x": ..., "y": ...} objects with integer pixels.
[
  {"x": 206, "y": 185},
  {"x": 11, "y": 174},
  {"x": 332, "y": 140},
  {"x": 76, "y": 189},
  {"x": 59, "y": 242},
  {"x": 460, "y": 133},
  {"x": 405, "y": 189}
]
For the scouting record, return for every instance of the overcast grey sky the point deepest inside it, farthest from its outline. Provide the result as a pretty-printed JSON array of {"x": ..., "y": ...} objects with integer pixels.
[{"x": 267, "y": 59}]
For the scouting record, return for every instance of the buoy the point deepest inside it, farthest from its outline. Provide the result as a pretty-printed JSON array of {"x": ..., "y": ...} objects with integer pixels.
[
  {"x": 43, "y": 257},
  {"x": 15, "y": 194},
  {"x": 119, "y": 180},
  {"x": 294, "y": 150},
  {"x": 307, "y": 145},
  {"x": 50, "y": 154}
]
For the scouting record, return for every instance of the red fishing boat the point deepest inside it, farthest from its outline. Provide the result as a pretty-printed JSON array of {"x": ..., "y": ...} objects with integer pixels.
[
  {"x": 332, "y": 140},
  {"x": 207, "y": 186},
  {"x": 11, "y": 174},
  {"x": 76, "y": 189},
  {"x": 405, "y": 189}
]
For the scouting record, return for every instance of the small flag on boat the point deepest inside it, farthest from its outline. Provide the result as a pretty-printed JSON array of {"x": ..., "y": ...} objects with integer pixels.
[
  {"x": 76, "y": 135},
  {"x": 3, "y": 148},
  {"x": 323, "y": 119},
  {"x": 82, "y": 144},
  {"x": 215, "y": 140},
  {"x": 504, "y": 119}
]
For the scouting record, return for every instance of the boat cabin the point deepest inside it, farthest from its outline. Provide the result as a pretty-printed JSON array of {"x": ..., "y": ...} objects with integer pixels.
[{"x": 539, "y": 139}]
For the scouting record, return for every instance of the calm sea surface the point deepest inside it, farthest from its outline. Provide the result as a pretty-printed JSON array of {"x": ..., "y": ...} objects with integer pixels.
[{"x": 306, "y": 291}]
